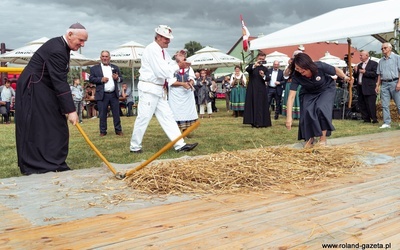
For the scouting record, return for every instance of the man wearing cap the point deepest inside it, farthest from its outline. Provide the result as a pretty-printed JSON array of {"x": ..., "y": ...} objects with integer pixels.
[
  {"x": 44, "y": 103},
  {"x": 156, "y": 73}
]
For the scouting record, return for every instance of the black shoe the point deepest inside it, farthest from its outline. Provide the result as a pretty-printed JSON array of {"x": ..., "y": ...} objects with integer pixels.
[
  {"x": 276, "y": 117},
  {"x": 375, "y": 121},
  {"x": 137, "y": 151},
  {"x": 187, "y": 147},
  {"x": 103, "y": 134}
]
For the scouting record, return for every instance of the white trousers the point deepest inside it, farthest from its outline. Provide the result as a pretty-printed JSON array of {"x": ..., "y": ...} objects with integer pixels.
[
  {"x": 148, "y": 105},
  {"x": 209, "y": 108}
]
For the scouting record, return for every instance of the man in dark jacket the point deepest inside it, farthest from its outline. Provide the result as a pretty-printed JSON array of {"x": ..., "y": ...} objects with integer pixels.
[
  {"x": 106, "y": 76},
  {"x": 365, "y": 72},
  {"x": 275, "y": 87}
]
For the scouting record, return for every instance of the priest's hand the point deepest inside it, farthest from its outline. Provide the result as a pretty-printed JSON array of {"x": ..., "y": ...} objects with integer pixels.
[{"x": 73, "y": 118}]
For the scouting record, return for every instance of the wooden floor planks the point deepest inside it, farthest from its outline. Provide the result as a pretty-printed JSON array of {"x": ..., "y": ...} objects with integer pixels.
[{"x": 363, "y": 208}]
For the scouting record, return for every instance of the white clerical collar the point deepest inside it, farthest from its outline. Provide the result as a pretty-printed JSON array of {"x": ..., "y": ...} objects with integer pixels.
[{"x": 66, "y": 41}]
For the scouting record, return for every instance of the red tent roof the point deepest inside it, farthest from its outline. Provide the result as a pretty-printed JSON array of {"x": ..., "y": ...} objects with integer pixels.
[{"x": 317, "y": 50}]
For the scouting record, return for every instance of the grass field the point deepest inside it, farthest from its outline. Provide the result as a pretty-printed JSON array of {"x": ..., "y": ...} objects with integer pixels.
[{"x": 221, "y": 132}]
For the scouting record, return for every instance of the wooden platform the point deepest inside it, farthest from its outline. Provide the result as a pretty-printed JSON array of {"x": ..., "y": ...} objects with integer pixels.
[{"x": 359, "y": 209}]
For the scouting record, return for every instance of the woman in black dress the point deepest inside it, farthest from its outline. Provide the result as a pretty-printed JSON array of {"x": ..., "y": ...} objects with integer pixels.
[{"x": 317, "y": 95}]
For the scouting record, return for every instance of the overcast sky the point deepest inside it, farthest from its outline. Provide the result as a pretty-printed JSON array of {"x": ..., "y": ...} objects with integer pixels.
[{"x": 215, "y": 23}]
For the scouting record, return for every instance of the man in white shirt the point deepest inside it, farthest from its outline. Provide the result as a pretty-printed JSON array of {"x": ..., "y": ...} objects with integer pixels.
[
  {"x": 3, "y": 111},
  {"x": 365, "y": 72},
  {"x": 388, "y": 83},
  {"x": 6, "y": 95},
  {"x": 275, "y": 87},
  {"x": 106, "y": 76},
  {"x": 7, "y": 92},
  {"x": 156, "y": 74}
]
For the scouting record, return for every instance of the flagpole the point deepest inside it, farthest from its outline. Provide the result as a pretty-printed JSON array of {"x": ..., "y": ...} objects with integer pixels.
[{"x": 245, "y": 38}]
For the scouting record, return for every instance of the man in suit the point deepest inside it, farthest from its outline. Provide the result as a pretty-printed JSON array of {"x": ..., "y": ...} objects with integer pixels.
[
  {"x": 44, "y": 103},
  {"x": 106, "y": 76},
  {"x": 366, "y": 75},
  {"x": 275, "y": 87}
]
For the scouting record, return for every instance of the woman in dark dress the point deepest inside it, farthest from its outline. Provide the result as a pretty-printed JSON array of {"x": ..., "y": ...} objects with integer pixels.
[
  {"x": 317, "y": 96},
  {"x": 256, "y": 110}
]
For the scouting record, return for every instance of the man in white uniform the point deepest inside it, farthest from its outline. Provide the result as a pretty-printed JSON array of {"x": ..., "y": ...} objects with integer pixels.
[{"x": 156, "y": 71}]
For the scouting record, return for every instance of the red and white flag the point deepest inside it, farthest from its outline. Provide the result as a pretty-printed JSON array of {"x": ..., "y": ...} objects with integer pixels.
[
  {"x": 85, "y": 76},
  {"x": 246, "y": 35}
]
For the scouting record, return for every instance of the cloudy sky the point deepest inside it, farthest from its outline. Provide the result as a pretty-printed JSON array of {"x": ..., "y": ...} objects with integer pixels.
[{"x": 215, "y": 23}]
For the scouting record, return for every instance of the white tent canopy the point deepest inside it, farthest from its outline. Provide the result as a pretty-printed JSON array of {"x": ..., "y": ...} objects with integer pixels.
[
  {"x": 24, "y": 54},
  {"x": 127, "y": 55},
  {"x": 356, "y": 21},
  {"x": 375, "y": 59},
  {"x": 212, "y": 58},
  {"x": 276, "y": 56},
  {"x": 333, "y": 60}
]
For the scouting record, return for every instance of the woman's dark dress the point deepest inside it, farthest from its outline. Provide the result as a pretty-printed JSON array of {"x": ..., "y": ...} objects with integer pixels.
[{"x": 317, "y": 96}]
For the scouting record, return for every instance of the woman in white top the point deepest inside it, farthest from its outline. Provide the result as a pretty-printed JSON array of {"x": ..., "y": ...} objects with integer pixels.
[
  {"x": 181, "y": 98},
  {"x": 238, "y": 91}
]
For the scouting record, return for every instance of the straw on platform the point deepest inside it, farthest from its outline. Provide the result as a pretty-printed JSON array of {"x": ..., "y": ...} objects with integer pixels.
[{"x": 245, "y": 171}]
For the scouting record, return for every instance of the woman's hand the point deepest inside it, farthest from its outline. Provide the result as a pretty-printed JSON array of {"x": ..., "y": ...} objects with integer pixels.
[
  {"x": 289, "y": 122},
  {"x": 187, "y": 85}
]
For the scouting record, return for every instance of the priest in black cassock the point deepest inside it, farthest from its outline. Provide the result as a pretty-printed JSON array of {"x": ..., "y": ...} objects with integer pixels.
[
  {"x": 44, "y": 103},
  {"x": 256, "y": 109}
]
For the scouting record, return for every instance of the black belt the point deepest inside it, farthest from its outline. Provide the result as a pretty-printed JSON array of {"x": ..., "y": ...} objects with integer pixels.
[
  {"x": 390, "y": 80},
  {"x": 271, "y": 87},
  {"x": 108, "y": 92}
]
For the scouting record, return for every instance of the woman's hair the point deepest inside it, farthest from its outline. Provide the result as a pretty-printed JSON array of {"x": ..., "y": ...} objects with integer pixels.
[{"x": 303, "y": 61}]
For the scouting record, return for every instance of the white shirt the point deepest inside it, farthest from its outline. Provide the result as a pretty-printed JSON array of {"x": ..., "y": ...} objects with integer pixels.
[
  {"x": 107, "y": 72},
  {"x": 77, "y": 92},
  {"x": 274, "y": 75},
  {"x": 361, "y": 74},
  {"x": 6, "y": 93},
  {"x": 182, "y": 101},
  {"x": 234, "y": 77},
  {"x": 155, "y": 70}
]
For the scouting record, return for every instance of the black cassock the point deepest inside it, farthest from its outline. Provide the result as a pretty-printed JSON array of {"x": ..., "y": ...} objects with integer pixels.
[
  {"x": 43, "y": 98},
  {"x": 256, "y": 110}
]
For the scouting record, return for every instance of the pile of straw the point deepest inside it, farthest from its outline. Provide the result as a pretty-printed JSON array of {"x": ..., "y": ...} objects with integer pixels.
[{"x": 244, "y": 171}]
